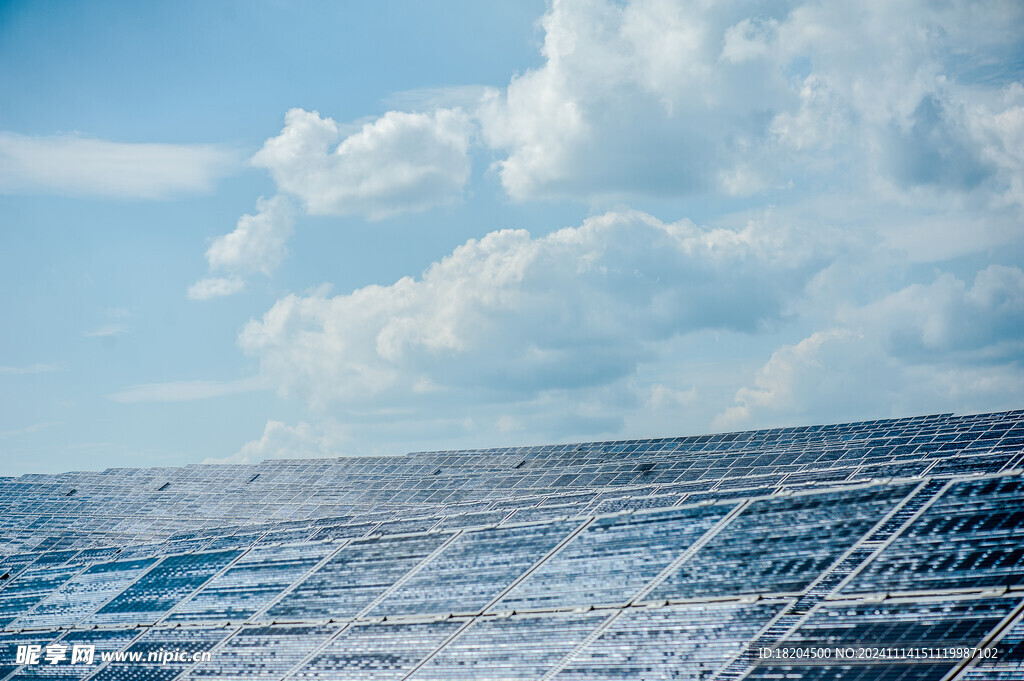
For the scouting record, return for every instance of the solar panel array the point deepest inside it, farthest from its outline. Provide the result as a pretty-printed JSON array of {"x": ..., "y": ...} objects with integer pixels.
[{"x": 795, "y": 553}]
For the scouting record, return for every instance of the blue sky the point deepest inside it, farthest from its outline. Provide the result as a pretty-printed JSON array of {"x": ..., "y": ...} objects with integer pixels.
[{"x": 234, "y": 231}]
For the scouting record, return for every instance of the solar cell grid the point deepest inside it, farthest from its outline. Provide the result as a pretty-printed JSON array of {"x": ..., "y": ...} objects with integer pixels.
[
  {"x": 82, "y": 595},
  {"x": 781, "y": 545},
  {"x": 473, "y": 570},
  {"x": 612, "y": 559},
  {"x": 518, "y": 647},
  {"x": 354, "y": 577},
  {"x": 377, "y": 652},
  {"x": 900, "y": 624},
  {"x": 31, "y": 587},
  {"x": 251, "y": 583},
  {"x": 971, "y": 537},
  {"x": 161, "y": 588},
  {"x": 267, "y": 652},
  {"x": 676, "y": 642}
]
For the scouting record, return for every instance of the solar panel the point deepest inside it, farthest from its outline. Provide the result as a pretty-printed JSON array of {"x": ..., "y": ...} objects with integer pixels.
[
  {"x": 781, "y": 545},
  {"x": 161, "y": 588},
  {"x": 251, "y": 583},
  {"x": 266, "y": 652},
  {"x": 518, "y": 647},
  {"x": 884, "y": 630},
  {"x": 473, "y": 570},
  {"x": 377, "y": 652},
  {"x": 30, "y": 587},
  {"x": 675, "y": 642},
  {"x": 83, "y": 594},
  {"x": 971, "y": 537},
  {"x": 353, "y": 578},
  {"x": 664, "y": 558},
  {"x": 612, "y": 559}
]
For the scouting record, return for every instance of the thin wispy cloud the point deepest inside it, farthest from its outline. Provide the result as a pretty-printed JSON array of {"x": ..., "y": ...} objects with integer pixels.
[
  {"x": 84, "y": 166},
  {"x": 34, "y": 428},
  {"x": 30, "y": 369},
  {"x": 186, "y": 391}
]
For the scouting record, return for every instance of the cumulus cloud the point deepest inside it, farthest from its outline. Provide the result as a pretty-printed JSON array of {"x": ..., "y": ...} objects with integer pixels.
[
  {"x": 258, "y": 244},
  {"x": 945, "y": 346},
  {"x": 514, "y": 315},
  {"x": 396, "y": 163},
  {"x": 281, "y": 441},
  {"x": 661, "y": 97},
  {"x": 83, "y": 166}
]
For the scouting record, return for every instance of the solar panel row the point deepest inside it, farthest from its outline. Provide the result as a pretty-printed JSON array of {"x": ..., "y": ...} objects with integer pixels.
[{"x": 650, "y": 559}]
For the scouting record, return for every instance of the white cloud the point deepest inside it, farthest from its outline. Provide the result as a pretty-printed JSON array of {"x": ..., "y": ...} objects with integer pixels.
[
  {"x": 399, "y": 162},
  {"x": 981, "y": 322},
  {"x": 258, "y": 244},
  {"x": 185, "y": 391},
  {"x": 281, "y": 441},
  {"x": 84, "y": 166},
  {"x": 945, "y": 346},
  {"x": 514, "y": 316},
  {"x": 215, "y": 287},
  {"x": 668, "y": 98},
  {"x": 30, "y": 369}
]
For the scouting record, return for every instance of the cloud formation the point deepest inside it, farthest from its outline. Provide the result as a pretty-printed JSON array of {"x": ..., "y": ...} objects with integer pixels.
[
  {"x": 513, "y": 315},
  {"x": 281, "y": 441},
  {"x": 922, "y": 348},
  {"x": 215, "y": 287},
  {"x": 258, "y": 244},
  {"x": 399, "y": 162},
  {"x": 84, "y": 166},
  {"x": 667, "y": 98}
]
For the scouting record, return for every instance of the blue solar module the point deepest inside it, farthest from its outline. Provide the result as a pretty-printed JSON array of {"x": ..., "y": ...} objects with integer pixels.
[
  {"x": 932, "y": 625},
  {"x": 675, "y": 642},
  {"x": 261, "y": 653},
  {"x": 12, "y": 566},
  {"x": 638, "y": 559},
  {"x": 83, "y": 594},
  {"x": 971, "y": 537},
  {"x": 480, "y": 519},
  {"x": 473, "y": 570},
  {"x": 1007, "y": 660},
  {"x": 250, "y": 583},
  {"x": 344, "y": 531},
  {"x": 518, "y": 647},
  {"x": 163, "y": 587},
  {"x": 353, "y": 578},
  {"x": 31, "y": 587},
  {"x": 611, "y": 560},
  {"x": 377, "y": 652},
  {"x": 781, "y": 545}
]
